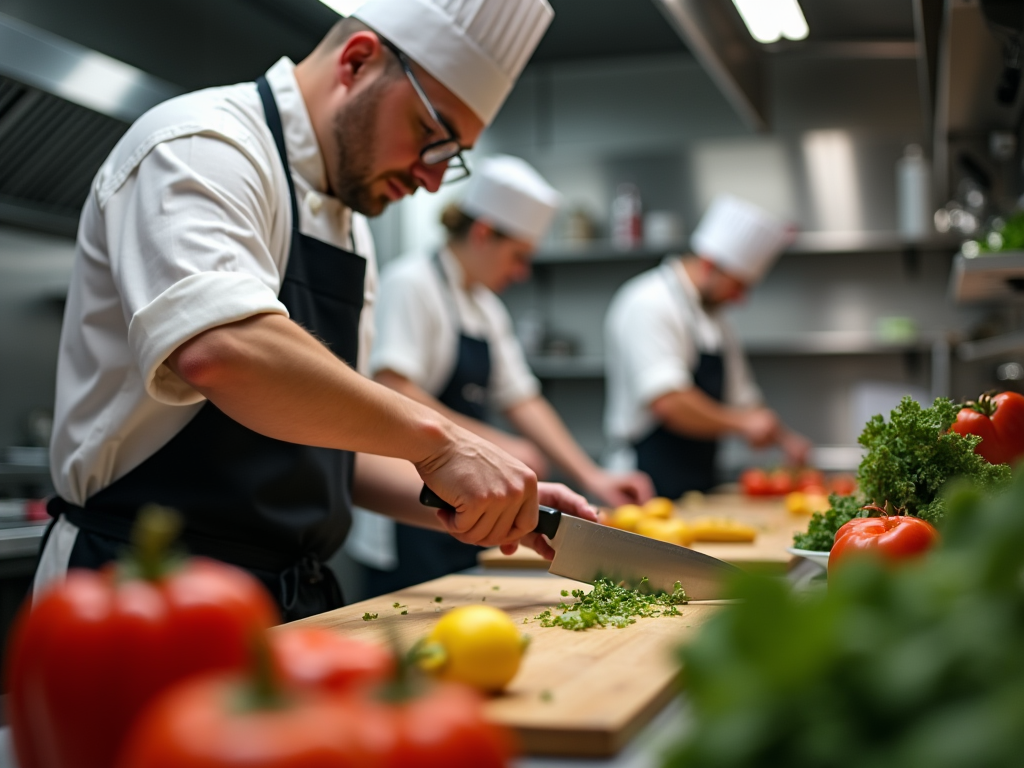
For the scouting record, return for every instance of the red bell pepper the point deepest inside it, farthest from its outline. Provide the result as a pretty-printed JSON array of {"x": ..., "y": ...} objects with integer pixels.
[{"x": 91, "y": 652}]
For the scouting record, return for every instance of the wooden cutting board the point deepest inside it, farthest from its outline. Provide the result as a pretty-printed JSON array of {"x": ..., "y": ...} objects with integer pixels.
[
  {"x": 767, "y": 553},
  {"x": 577, "y": 693}
]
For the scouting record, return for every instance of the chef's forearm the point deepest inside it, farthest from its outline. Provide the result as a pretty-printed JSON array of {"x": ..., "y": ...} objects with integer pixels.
[
  {"x": 692, "y": 413},
  {"x": 391, "y": 487},
  {"x": 269, "y": 374}
]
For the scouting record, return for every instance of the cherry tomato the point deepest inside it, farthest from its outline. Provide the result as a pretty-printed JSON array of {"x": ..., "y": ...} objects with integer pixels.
[
  {"x": 780, "y": 482},
  {"x": 844, "y": 485},
  {"x": 807, "y": 479},
  {"x": 754, "y": 482}
]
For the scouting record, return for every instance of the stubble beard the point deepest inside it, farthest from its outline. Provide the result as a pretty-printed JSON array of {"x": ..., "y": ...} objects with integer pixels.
[{"x": 355, "y": 138}]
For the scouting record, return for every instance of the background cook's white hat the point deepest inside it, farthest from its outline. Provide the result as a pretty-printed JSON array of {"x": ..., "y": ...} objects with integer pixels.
[
  {"x": 475, "y": 48},
  {"x": 740, "y": 238},
  {"x": 509, "y": 194}
]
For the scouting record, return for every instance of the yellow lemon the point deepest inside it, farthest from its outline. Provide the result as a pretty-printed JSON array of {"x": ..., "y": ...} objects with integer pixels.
[
  {"x": 721, "y": 529},
  {"x": 478, "y": 645},
  {"x": 817, "y": 502},
  {"x": 627, "y": 517},
  {"x": 672, "y": 531},
  {"x": 660, "y": 507},
  {"x": 796, "y": 502}
]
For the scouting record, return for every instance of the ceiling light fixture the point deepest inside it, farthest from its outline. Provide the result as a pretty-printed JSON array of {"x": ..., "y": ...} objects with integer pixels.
[
  {"x": 768, "y": 20},
  {"x": 343, "y": 7}
]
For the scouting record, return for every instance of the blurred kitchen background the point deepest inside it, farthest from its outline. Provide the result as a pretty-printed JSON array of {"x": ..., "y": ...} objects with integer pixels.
[{"x": 892, "y": 116}]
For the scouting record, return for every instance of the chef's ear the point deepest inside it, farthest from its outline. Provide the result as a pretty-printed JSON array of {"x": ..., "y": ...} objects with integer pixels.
[
  {"x": 480, "y": 232},
  {"x": 360, "y": 50}
]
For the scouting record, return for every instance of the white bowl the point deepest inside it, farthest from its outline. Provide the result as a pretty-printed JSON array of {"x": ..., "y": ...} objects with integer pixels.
[{"x": 816, "y": 556}]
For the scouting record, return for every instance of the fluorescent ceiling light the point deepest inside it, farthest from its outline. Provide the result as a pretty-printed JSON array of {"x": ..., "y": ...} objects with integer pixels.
[
  {"x": 343, "y": 7},
  {"x": 768, "y": 20}
]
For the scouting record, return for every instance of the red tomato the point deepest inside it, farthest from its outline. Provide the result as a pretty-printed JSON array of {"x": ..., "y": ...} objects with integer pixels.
[
  {"x": 999, "y": 421},
  {"x": 807, "y": 479},
  {"x": 312, "y": 657},
  {"x": 201, "y": 725},
  {"x": 94, "y": 650},
  {"x": 780, "y": 482},
  {"x": 754, "y": 482},
  {"x": 844, "y": 485},
  {"x": 893, "y": 537}
]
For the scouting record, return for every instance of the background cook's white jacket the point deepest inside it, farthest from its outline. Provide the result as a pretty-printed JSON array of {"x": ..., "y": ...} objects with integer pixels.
[
  {"x": 655, "y": 330},
  {"x": 187, "y": 227},
  {"x": 417, "y": 337}
]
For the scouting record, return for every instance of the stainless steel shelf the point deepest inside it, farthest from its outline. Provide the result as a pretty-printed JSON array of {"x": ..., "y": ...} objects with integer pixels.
[
  {"x": 991, "y": 277},
  {"x": 810, "y": 344},
  {"x": 806, "y": 242}
]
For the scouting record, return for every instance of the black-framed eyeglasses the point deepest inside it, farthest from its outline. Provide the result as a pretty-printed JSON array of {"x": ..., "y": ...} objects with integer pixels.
[{"x": 446, "y": 150}]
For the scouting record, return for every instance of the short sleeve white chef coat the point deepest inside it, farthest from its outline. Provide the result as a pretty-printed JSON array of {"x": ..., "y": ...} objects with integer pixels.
[
  {"x": 419, "y": 320},
  {"x": 186, "y": 227},
  {"x": 655, "y": 330}
]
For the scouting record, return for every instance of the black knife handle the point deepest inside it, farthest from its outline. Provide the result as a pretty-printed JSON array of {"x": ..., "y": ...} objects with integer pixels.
[{"x": 547, "y": 519}]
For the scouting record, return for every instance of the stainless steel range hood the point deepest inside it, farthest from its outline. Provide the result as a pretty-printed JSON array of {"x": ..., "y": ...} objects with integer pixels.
[{"x": 62, "y": 109}]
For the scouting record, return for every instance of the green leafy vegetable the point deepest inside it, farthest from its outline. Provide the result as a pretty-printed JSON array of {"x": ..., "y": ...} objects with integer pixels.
[
  {"x": 909, "y": 459},
  {"x": 921, "y": 666},
  {"x": 610, "y": 604}
]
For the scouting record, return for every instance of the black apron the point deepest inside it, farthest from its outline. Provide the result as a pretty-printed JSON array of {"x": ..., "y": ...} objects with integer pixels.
[
  {"x": 424, "y": 554},
  {"x": 676, "y": 463},
  {"x": 275, "y": 508}
]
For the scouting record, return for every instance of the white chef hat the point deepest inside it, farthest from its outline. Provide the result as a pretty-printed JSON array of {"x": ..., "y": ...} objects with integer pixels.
[
  {"x": 475, "y": 48},
  {"x": 509, "y": 194},
  {"x": 740, "y": 238}
]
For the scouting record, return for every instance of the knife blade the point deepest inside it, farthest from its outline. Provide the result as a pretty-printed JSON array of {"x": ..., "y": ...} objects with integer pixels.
[{"x": 586, "y": 551}]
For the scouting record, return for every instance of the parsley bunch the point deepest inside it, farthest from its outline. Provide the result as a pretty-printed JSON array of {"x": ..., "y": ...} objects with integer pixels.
[
  {"x": 610, "y": 604},
  {"x": 909, "y": 459}
]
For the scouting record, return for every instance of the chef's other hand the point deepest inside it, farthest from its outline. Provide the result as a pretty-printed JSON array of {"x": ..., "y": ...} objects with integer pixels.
[
  {"x": 494, "y": 495},
  {"x": 561, "y": 498},
  {"x": 616, "y": 489},
  {"x": 795, "y": 446},
  {"x": 760, "y": 427}
]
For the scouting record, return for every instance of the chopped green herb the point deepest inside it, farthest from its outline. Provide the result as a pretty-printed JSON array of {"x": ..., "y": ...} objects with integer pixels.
[
  {"x": 612, "y": 604},
  {"x": 546, "y": 695},
  {"x": 404, "y": 613},
  {"x": 397, "y": 605},
  {"x": 369, "y": 616},
  {"x": 438, "y": 599},
  {"x": 484, "y": 598},
  {"x": 495, "y": 587},
  {"x": 565, "y": 593}
]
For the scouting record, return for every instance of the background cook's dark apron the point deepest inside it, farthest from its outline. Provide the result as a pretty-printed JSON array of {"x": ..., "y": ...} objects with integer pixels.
[
  {"x": 276, "y": 508},
  {"x": 424, "y": 554},
  {"x": 676, "y": 463}
]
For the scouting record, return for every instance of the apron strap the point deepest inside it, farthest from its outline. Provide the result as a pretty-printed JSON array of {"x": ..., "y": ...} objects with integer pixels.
[{"x": 273, "y": 117}]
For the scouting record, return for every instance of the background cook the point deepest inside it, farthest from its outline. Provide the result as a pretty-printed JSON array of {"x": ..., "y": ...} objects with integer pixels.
[
  {"x": 221, "y": 306},
  {"x": 677, "y": 378},
  {"x": 445, "y": 339}
]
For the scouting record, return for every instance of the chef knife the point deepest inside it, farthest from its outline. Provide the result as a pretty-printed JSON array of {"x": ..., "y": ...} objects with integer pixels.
[{"x": 587, "y": 551}]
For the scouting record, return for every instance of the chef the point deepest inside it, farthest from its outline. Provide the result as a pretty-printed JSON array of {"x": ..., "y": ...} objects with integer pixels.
[
  {"x": 445, "y": 339},
  {"x": 677, "y": 378},
  {"x": 220, "y": 310}
]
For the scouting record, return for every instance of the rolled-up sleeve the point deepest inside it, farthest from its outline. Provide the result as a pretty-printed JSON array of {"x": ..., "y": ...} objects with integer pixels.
[{"x": 194, "y": 244}]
